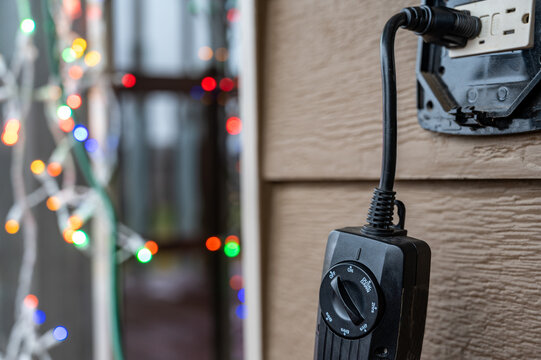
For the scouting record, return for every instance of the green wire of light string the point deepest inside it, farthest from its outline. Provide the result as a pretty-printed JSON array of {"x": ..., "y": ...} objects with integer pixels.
[{"x": 82, "y": 160}]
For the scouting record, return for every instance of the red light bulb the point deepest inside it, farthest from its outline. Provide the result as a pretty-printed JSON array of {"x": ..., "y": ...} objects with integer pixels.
[
  {"x": 233, "y": 125},
  {"x": 208, "y": 83},
  {"x": 129, "y": 80}
]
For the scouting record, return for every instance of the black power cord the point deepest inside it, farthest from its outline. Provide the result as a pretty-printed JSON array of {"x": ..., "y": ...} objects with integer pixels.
[{"x": 439, "y": 25}]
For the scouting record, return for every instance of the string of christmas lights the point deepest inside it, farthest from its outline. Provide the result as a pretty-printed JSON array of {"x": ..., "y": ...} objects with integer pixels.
[
  {"x": 222, "y": 90},
  {"x": 79, "y": 70},
  {"x": 74, "y": 205}
]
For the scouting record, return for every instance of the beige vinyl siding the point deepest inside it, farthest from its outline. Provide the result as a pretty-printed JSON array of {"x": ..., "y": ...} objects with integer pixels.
[{"x": 475, "y": 200}]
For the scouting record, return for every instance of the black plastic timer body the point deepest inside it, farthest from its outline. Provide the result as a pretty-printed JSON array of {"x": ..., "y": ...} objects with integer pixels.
[{"x": 373, "y": 297}]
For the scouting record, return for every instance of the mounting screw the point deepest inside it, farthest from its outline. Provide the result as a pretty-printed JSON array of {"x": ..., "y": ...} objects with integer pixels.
[
  {"x": 502, "y": 93},
  {"x": 472, "y": 95}
]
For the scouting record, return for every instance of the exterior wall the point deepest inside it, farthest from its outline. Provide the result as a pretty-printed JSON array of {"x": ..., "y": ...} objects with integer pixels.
[{"x": 476, "y": 201}]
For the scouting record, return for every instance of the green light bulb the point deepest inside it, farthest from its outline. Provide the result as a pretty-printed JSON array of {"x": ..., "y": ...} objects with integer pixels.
[
  {"x": 69, "y": 55},
  {"x": 232, "y": 249},
  {"x": 79, "y": 238},
  {"x": 28, "y": 26},
  {"x": 144, "y": 255},
  {"x": 63, "y": 112}
]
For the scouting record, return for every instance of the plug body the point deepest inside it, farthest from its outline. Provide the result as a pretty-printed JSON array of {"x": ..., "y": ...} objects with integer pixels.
[
  {"x": 442, "y": 25},
  {"x": 373, "y": 297}
]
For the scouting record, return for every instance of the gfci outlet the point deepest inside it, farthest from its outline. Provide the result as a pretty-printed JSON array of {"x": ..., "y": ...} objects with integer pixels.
[
  {"x": 506, "y": 25},
  {"x": 491, "y": 86}
]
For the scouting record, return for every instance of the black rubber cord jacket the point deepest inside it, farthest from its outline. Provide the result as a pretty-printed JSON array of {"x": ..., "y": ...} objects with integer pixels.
[
  {"x": 388, "y": 74},
  {"x": 440, "y": 25}
]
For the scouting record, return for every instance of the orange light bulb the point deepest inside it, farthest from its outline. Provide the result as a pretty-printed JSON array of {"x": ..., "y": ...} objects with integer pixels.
[
  {"x": 66, "y": 125},
  {"x": 67, "y": 235},
  {"x": 75, "y": 222},
  {"x": 31, "y": 301},
  {"x": 152, "y": 246},
  {"x": 37, "y": 167},
  {"x": 232, "y": 238},
  {"x": 74, "y": 101},
  {"x": 53, "y": 203},
  {"x": 10, "y": 138},
  {"x": 205, "y": 53},
  {"x": 54, "y": 169},
  {"x": 213, "y": 243},
  {"x": 12, "y": 226},
  {"x": 92, "y": 59},
  {"x": 75, "y": 72}
]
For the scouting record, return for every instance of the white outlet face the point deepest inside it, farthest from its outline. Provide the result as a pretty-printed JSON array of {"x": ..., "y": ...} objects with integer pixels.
[{"x": 506, "y": 25}]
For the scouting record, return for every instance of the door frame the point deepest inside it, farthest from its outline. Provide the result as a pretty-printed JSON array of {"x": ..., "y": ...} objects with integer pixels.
[{"x": 250, "y": 183}]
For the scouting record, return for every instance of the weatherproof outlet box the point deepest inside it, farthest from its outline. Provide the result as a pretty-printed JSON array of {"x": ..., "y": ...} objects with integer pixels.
[{"x": 484, "y": 90}]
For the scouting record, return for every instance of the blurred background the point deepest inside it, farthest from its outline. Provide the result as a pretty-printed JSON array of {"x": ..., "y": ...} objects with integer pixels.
[{"x": 120, "y": 189}]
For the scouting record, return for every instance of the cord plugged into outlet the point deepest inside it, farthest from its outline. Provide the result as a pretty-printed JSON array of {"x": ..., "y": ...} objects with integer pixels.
[
  {"x": 506, "y": 25},
  {"x": 438, "y": 25}
]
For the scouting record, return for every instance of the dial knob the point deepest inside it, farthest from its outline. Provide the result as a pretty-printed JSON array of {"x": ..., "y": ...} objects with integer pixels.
[{"x": 350, "y": 300}]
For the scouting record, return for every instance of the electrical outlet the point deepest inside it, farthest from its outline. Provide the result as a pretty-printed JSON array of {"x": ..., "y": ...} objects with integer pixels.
[{"x": 506, "y": 25}]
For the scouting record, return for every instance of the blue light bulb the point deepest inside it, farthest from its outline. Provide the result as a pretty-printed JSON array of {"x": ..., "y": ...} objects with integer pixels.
[
  {"x": 39, "y": 317},
  {"x": 91, "y": 145},
  {"x": 241, "y": 311},
  {"x": 80, "y": 133},
  {"x": 60, "y": 333},
  {"x": 240, "y": 295}
]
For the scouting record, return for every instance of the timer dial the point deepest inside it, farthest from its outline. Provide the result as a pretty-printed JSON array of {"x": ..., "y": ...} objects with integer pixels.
[{"x": 350, "y": 300}]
